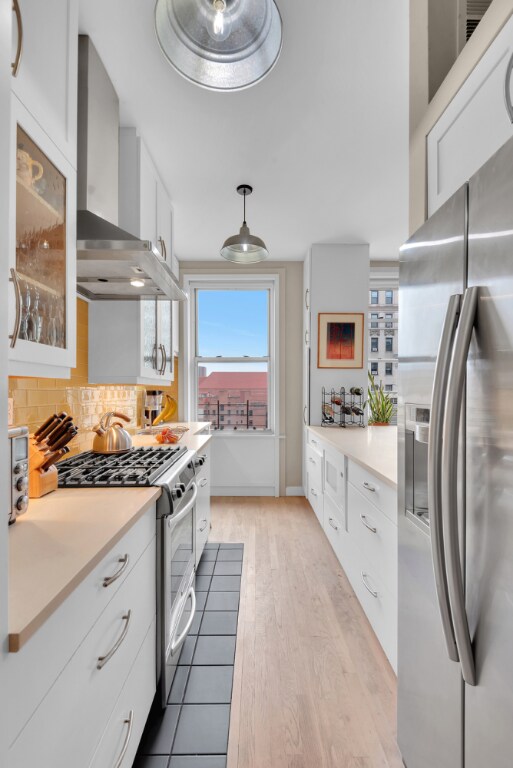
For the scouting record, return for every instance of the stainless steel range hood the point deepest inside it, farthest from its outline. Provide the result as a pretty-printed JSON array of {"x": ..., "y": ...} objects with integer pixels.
[{"x": 109, "y": 259}]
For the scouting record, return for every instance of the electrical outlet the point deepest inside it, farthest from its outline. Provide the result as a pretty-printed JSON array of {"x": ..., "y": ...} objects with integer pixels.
[{"x": 10, "y": 412}]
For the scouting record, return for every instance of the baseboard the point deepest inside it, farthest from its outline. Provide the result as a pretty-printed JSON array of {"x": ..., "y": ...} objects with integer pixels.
[
  {"x": 240, "y": 490},
  {"x": 294, "y": 490}
]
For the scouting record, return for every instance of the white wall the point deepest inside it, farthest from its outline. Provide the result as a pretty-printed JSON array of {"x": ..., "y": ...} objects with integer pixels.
[
  {"x": 339, "y": 283},
  {"x": 5, "y": 84}
]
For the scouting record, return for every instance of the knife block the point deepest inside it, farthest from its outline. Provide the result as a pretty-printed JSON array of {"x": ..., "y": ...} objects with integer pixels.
[{"x": 40, "y": 483}]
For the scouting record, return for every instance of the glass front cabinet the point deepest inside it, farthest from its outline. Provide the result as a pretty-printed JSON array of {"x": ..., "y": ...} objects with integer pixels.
[{"x": 42, "y": 299}]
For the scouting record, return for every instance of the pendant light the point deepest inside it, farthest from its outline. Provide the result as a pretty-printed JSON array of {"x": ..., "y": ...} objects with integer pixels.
[
  {"x": 224, "y": 45},
  {"x": 244, "y": 248}
]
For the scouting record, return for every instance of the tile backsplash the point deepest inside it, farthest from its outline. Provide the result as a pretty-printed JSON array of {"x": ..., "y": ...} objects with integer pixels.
[{"x": 36, "y": 398}]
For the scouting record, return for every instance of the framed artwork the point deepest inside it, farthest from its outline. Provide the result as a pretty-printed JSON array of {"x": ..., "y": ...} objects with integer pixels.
[{"x": 340, "y": 343}]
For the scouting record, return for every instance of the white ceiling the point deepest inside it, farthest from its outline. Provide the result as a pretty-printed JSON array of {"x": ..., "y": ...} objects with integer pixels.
[{"x": 323, "y": 139}]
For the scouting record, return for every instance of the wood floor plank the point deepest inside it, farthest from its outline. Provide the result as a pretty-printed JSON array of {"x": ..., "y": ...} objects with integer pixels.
[{"x": 312, "y": 686}]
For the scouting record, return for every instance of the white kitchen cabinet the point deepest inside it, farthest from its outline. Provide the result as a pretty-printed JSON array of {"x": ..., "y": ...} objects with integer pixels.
[
  {"x": 334, "y": 476},
  {"x": 475, "y": 124},
  {"x": 130, "y": 342},
  {"x": 42, "y": 293},
  {"x": 46, "y": 77},
  {"x": 202, "y": 512},
  {"x": 90, "y": 680}
]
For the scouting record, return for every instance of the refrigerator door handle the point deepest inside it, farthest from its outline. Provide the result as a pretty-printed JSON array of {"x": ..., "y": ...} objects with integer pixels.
[
  {"x": 434, "y": 473},
  {"x": 450, "y": 440}
]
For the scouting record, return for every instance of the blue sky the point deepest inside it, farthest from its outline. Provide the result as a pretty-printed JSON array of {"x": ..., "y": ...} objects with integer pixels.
[{"x": 233, "y": 324}]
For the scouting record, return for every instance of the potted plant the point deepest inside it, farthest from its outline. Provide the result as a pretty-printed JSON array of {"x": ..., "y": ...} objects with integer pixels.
[{"x": 380, "y": 403}]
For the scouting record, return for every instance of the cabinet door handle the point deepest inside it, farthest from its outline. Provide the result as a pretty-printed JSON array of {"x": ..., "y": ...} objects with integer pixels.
[
  {"x": 163, "y": 249},
  {"x": 203, "y": 482},
  {"x": 307, "y": 305},
  {"x": 366, "y": 585},
  {"x": 314, "y": 493},
  {"x": 312, "y": 460},
  {"x": 369, "y": 487},
  {"x": 102, "y": 660},
  {"x": 304, "y": 415},
  {"x": 205, "y": 523},
  {"x": 333, "y": 524},
  {"x": 129, "y": 722},
  {"x": 164, "y": 360},
  {"x": 366, "y": 524},
  {"x": 306, "y": 338},
  {"x": 108, "y": 580},
  {"x": 507, "y": 89},
  {"x": 17, "y": 319},
  {"x": 17, "y": 59}
]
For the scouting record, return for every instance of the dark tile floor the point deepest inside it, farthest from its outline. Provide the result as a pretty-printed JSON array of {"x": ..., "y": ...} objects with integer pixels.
[{"x": 193, "y": 730}]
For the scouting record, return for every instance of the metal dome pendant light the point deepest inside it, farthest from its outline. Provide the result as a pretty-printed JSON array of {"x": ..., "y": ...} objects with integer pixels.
[
  {"x": 244, "y": 248},
  {"x": 223, "y": 45}
]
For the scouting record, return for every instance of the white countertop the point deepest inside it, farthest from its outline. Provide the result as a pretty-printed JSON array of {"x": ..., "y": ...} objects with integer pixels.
[{"x": 373, "y": 447}]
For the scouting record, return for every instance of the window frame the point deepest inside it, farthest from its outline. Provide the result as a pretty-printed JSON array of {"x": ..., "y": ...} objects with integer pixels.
[
  {"x": 389, "y": 294},
  {"x": 389, "y": 368},
  {"x": 194, "y": 283},
  {"x": 376, "y": 344},
  {"x": 372, "y": 291},
  {"x": 375, "y": 365},
  {"x": 389, "y": 342}
]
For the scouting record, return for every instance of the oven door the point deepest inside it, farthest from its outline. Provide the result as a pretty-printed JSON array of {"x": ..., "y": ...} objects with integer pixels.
[{"x": 178, "y": 601}]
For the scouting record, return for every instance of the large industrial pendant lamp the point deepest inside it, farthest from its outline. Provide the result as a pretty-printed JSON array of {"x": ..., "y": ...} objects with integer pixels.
[
  {"x": 244, "y": 248},
  {"x": 224, "y": 45}
]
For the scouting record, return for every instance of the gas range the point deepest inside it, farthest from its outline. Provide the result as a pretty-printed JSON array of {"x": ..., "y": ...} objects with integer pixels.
[{"x": 138, "y": 467}]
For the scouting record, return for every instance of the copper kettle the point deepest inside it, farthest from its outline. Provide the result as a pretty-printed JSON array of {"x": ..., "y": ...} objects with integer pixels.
[{"x": 111, "y": 437}]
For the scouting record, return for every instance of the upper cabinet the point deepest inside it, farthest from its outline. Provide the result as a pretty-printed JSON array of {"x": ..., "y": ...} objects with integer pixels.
[
  {"x": 144, "y": 206},
  {"x": 44, "y": 67},
  {"x": 42, "y": 252},
  {"x": 477, "y": 122}
]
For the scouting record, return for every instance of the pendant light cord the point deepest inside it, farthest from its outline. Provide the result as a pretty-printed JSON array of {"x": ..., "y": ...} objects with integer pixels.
[{"x": 244, "y": 207}]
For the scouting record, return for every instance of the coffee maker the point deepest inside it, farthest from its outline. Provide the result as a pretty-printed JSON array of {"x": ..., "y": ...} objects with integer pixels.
[{"x": 152, "y": 406}]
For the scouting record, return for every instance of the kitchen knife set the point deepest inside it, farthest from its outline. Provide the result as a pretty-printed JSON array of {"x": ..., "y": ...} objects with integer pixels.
[{"x": 48, "y": 444}]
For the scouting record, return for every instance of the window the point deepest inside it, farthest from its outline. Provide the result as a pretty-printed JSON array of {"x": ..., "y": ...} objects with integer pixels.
[
  {"x": 389, "y": 387},
  {"x": 374, "y": 319},
  {"x": 374, "y": 297},
  {"x": 231, "y": 342},
  {"x": 389, "y": 320},
  {"x": 389, "y": 297},
  {"x": 388, "y": 369},
  {"x": 374, "y": 344},
  {"x": 374, "y": 369},
  {"x": 389, "y": 344}
]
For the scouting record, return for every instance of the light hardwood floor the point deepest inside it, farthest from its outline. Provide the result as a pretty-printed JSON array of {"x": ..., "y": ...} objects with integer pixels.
[{"x": 312, "y": 687}]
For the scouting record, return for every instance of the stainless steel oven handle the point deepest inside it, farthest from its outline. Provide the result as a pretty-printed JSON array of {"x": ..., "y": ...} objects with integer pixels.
[
  {"x": 450, "y": 445},
  {"x": 174, "y": 519},
  {"x": 434, "y": 470},
  {"x": 176, "y": 642}
]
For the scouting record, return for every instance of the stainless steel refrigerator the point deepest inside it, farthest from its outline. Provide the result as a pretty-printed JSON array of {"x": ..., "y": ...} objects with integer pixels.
[{"x": 455, "y": 418}]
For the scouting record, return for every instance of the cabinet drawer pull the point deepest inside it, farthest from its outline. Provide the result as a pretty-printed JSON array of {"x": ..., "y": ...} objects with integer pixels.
[
  {"x": 369, "y": 487},
  {"x": 307, "y": 305},
  {"x": 366, "y": 524},
  {"x": 507, "y": 85},
  {"x": 129, "y": 722},
  {"x": 312, "y": 460},
  {"x": 164, "y": 360},
  {"x": 314, "y": 493},
  {"x": 203, "y": 482},
  {"x": 17, "y": 59},
  {"x": 17, "y": 319},
  {"x": 108, "y": 580},
  {"x": 314, "y": 442},
  {"x": 205, "y": 523},
  {"x": 306, "y": 338},
  {"x": 102, "y": 660},
  {"x": 333, "y": 524},
  {"x": 366, "y": 585}
]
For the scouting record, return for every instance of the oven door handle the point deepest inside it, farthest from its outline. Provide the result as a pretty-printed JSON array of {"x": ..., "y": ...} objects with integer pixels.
[
  {"x": 177, "y": 642},
  {"x": 174, "y": 519}
]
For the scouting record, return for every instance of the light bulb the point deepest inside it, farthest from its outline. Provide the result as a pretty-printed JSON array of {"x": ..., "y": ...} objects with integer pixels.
[
  {"x": 137, "y": 283},
  {"x": 221, "y": 25},
  {"x": 244, "y": 247}
]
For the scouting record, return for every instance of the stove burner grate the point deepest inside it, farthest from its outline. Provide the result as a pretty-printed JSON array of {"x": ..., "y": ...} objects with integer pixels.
[{"x": 137, "y": 467}]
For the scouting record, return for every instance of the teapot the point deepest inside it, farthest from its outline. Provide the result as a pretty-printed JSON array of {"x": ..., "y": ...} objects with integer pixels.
[{"x": 111, "y": 437}]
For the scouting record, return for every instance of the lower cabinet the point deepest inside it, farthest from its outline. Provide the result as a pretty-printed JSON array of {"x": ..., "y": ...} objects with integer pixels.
[
  {"x": 358, "y": 514},
  {"x": 111, "y": 669},
  {"x": 203, "y": 517}
]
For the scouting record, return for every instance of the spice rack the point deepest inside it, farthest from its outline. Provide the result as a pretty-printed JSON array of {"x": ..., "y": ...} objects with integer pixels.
[{"x": 341, "y": 408}]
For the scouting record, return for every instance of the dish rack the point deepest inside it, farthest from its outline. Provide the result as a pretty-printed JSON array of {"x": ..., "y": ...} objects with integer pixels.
[{"x": 343, "y": 409}]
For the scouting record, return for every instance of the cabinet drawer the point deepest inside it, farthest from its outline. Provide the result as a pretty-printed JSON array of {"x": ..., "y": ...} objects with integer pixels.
[
  {"x": 379, "y": 605},
  {"x": 126, "y": 724},
  {"x": 314, "y": 466},
  {"x": 314, "y": 441},
  {"x": 83, "y": 695},
  {"x": 57, "y": 640},
  {"x": 379, "y": 493},
  {"x": 335, "y": 527},
  {"x": 314, "y": 496},
  {"x": 334, "y": 476},
  {"x": 375, "y": 535}
]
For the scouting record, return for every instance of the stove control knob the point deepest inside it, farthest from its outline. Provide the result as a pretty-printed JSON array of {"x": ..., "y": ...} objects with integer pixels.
[
  {"x": 199, "y": 461},
  {"x": 176, "y": 493},
  {"x": 22, "y": 484},
  {"x": 181, "y": 486},
  {"x": 22, "y": 504},
  {"x": 17, "y": 470}
]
